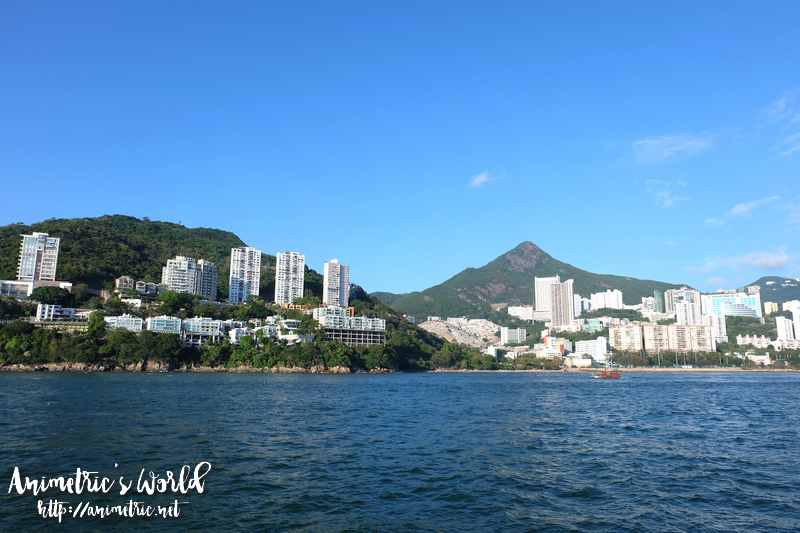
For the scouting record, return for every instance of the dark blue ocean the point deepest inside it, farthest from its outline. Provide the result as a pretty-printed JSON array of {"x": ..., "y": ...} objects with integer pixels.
[{"x": 413, "y": 452}]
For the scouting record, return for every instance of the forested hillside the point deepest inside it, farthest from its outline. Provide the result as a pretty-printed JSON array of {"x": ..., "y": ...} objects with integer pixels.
[
  {"x": 510, "y": 279},
  {"x": 96, "y": 251}
]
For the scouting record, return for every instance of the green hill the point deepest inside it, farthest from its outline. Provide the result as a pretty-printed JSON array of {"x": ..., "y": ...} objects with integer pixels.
[
  {"x": 96, "y": 251},
  {"x": 510, "y": 279},
  {"x": 778, "y": 290}
]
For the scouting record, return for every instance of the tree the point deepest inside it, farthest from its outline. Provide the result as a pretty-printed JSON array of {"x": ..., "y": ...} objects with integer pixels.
[
  {"x": 308, "y": 327},
  {"x": 50, "y": 295}
]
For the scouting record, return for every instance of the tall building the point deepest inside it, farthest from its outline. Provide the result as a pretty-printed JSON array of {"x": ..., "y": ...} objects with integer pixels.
[
  {"x": 649, "y": 304},
  {"x": 607, "y": 300},
  {"x": 674, "y": 296},
  {"x": 625, "y": 338},
  {"x": 732, "y": 304},
  {"x": 207, "y": 279},
  {"x": 789, "y": 306},
  {"x": 678, "y": 338},
  {"x": 770, "y": 307},
  {"x": 185, "y": 274},
  {"x": 688, "y": 312},
  {"x": 562, "y": 310},
  {"x": 659, "y": 301},
  {"x": 245, "y": 274},
  {"x": 289, "y": 277},
  {"x": 577, "y": 304},
  {"x": 38, "y": 257},
  {"x": 336, "y": 286},
  {"x": 719, "y": 327},
  {"x": 785, "y": 328},
  {"x": 542, "y": 292},
  {"x": 796, "y": 320}
]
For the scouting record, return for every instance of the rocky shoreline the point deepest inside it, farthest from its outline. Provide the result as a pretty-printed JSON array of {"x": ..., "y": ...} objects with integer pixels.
[{"x": 158, "y": 366}]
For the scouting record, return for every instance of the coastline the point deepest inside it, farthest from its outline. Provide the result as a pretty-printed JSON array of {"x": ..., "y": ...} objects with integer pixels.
[{"x": 147, "y": 366}]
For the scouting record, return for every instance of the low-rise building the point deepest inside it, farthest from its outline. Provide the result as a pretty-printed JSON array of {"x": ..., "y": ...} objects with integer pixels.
[
  {"x": 758, "y": 359},
  {"x": 761, "y": 341},
  {"x": 512, "y": 336},
  {"x": 124, "y": 284},
  {"x": 200, "y": 330},
  {"x": 348, "y": 329},
  {"x": 45, "y": 312},
  {"x": 17, "y": 289},
  {"x": 164, "y": 324},
  {"x": 596, "y": 349},
  {"x": 523, "y": 312},
  {"x": 126, "y": 321}
]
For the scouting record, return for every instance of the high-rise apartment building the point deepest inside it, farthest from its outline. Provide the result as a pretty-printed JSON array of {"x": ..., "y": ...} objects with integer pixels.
[
  {"x": 289, "y": 277},
  {"x": 770, "y": 307},
  {"x": 245, "y": 274},
  {"x": 719, "y": 327},
  {"x": 785, "y": 329},
  {"x": 678, "y": 338},
  {"x": 789, "y": 306},
  {"x": 542, "y": 292},
  {"x": 336, "y": 286},
  {"x": 796, "y": 321},
  {"x": 185, "y": 274},
  {"x": 626, "y": 338},
  {"x": 674, "y": 296},
  {"x": 732, "y": 304},
  {"x": 659, "y": 301},
  {"x": 562, "y": 310},
  {"x": 649, "y": 304},
  {"x": 687, "y": 312},
  {"x": 607, "y": 300},
  {"x": 38, "y": 257}
]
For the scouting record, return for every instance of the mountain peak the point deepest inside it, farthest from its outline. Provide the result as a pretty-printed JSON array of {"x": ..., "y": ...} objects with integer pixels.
[{"x": 525, "y": 256}]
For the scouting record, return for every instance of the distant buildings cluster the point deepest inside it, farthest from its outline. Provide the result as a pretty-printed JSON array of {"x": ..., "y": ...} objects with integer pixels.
[{"x": 38, "y": 262}]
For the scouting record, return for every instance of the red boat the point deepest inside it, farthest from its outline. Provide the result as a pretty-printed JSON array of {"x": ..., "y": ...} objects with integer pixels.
[{"x": 607, "y": 374}]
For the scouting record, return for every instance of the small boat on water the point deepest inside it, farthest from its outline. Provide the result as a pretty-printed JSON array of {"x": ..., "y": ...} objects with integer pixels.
[{"x": 608, "y": 372}]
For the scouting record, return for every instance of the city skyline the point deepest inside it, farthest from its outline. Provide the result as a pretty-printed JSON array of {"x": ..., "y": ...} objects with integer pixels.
[{"x": 674, "y": 128}]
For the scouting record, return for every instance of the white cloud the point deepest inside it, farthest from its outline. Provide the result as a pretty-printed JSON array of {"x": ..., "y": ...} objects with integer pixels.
[
  {"x": 714, "y": 222},
  {"x": 652, "y": 149},
  {"x": 765, "y": 260},
  {"x": 794, "y": 216},
  {"x": 779, "y": 109},
  {"x": 481, "y": 179},
  {"x": 747, "y": 207},
  {"x": 768, "y": 261},
  {"x": 664, "y": 193},
  {"x": 716, "y": 282},
  {"x": 784, "y": 114},
  {"x": 791, "y": 145}
]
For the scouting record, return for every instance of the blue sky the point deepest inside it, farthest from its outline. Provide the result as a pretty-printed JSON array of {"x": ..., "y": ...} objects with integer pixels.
[{"x": 411, "y": 140}]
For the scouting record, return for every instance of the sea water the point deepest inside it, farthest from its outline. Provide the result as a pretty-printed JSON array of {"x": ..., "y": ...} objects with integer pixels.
[{"x": 529, "y": 451}]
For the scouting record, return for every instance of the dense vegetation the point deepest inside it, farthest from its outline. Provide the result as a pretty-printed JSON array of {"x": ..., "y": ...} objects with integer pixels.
[
  {"x": 407, "y": 347},
  {"x": 96, "y": 251},
  {"x": 778, "y": 290},
  {"x": 630, "y": 314},
  {"x": 510, "y": 279}
]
